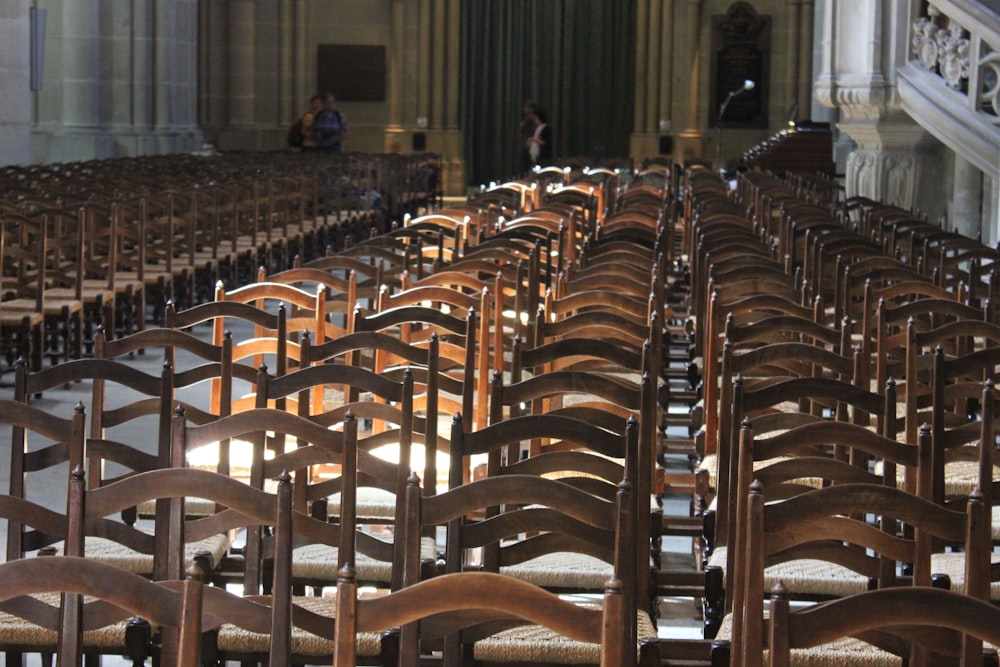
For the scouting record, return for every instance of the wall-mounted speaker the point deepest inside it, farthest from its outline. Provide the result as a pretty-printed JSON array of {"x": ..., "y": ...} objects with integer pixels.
[
  {"x": 419, "y": 141},
  {"x": 666, "y": 145}
]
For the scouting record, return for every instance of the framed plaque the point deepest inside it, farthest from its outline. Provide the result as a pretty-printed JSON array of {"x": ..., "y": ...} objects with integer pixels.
[
  {"x": 741, "y": 44},
  {"x": 352, "y": 72}
]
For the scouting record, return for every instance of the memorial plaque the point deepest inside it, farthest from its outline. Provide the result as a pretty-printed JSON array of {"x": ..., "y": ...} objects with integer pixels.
[
  {"x": 352, "y": 72},
  {"x": 740, "y": 51}
]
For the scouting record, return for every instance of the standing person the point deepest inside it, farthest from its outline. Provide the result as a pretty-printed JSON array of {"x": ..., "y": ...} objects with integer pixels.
[
  {"x": 309, "y": 137},
  {"x": 540, "y": 144},
  {"x": 526, "y": 130},
  {"x": 329, "y": 126}
]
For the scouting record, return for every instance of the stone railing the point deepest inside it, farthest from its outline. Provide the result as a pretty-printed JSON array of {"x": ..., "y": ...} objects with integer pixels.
[
  {"x": 950, "y": 82},
  {"x": 960, "y": 42}
]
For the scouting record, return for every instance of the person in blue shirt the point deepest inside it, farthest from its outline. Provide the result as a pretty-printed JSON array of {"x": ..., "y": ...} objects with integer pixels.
[{"x": 329, "y": 126}]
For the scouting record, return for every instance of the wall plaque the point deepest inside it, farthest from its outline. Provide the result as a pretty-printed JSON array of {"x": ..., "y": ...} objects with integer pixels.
[
  {"x": 741, "y": 44},
  {"x": 352, "y": 72}
]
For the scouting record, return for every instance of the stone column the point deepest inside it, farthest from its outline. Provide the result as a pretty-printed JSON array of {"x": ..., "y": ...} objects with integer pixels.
[
  {"x": 15, "y": 75},
  {"x": 965, "y": 210},
  {"x": 666, "y": 83},
  {"x": 81, "y": 64},
  {"x": 424, "y": 53},
  {"x": 83, "y": 132},
  {"x": 241, "y": 63},
  {"x": 690, "y": 144},
  {"x": 858, "y": 79},
  {"x": 167, "y": 43},
  {"x": 991, "y": 210},
  {"x": 394, "y": 130},
  {"x": 805, "y": 58},
  {"x": 440, "y": 70},
  {"x": 454, "y": 176},
  {"x": 142, "y": 65},
  {"x": 885, "y": 164},
  {"x": 641, "y": 65},
  {"x": 793, "y": 17},
  {"x": 288, "y": 105},
  {"x": 653, "y": 76}
]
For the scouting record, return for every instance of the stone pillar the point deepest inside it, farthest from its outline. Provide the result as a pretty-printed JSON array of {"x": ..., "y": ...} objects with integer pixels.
[
  {"x": 142, "y": 65},
  {"x": 425, "y": 53},
  {"x": 440, "y": 71},
  {"x": 690, "y": 144},
  {"x": 394, "y": 130},
  {"x": 792, "y": 48},
  {"x": 288, "y": 105},
  {"x": 885, "y": 165},
  {"x": 241, "y": 45},
  {"x": 454, "y": 176},
  {"x": 965, "y": 210},
  {"x": 81, "y": 64},
  {"x": 666, "y": 83},
  {"x": 83, "y": 132},
  {"x": 175, "y": 71},
  {"x": 15, "y": 75},
  {"x": 991, "y": 210},
  {"x": 858, "y": 79},
  {"x": 805, "y": 58},
  {"x": 641, "y": 65},
  {"x": 167, "y": 46},
  {"x": 304, "y": 86},
  {"x": 653, "y": 76}
]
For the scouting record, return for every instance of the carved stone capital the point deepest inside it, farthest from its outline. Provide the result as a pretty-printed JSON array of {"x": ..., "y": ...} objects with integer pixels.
[
  {"x": 826, "y": 91},
  {"x": 863, "y": 101}
]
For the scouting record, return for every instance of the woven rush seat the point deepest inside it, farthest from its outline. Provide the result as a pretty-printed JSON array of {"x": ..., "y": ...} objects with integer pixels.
[
  {"x": 953, "y": 564},
  {"x": 534, "y": 643},
  {"x": 961, "y": 478},
  {"x": 119, "y": 555},
  {"x": 710, "y": 463},
  {"x": 17, "y": 631},
  {"x": 566, "y": 570},
  {"x": 373, "y": 505},
  {"x": 845, "y": 651},
  {"x": 233, "y": 639},
  {"x": 319, "y": 562},
  {"x": 807, "y": 575}
]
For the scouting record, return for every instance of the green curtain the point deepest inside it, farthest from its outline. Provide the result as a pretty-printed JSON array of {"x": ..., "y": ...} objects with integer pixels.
[{"x": 575, "y": 58}]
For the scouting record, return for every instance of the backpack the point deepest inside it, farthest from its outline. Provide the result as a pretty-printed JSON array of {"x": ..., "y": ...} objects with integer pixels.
[{"x": 296, "y": 134}]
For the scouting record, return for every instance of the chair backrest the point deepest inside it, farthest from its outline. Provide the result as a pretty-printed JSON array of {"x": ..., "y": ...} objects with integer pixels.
[
  {"x": 823, "y": 517},
  {"x": 39, "y": 440},
  {"x": 113, "y": 595},
  {"x": 909, "y": 615},
  {"x": 461, "y": 355},
  {"x": 377, "y": 350},
  {"x": 435, "y": 601}
]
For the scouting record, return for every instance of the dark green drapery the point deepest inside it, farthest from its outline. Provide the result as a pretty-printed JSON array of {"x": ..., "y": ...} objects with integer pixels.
[{"x": 575, "y": 58}]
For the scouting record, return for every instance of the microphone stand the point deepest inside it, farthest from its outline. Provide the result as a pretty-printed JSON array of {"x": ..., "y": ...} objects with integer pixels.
[{"x": 747, "y": 85}]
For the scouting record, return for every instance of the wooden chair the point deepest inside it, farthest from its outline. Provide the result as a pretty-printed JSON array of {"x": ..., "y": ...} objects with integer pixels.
[
  {"x": 781, "y": 528},
  {"x": 462, "y": 355},
  {"x": 831, "y": 394},
  {"x": 112, "y": 596},
  {"x": 446, "y": 601},
  {"x": 301, "y": 625},
  {"x": 264, "y": 339},
  {"x": 910, "y": 616},
  {"x": 28, "y": 253},
  {"x": 372, "y": 350},
  {"x": 966, "y": 464}
]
